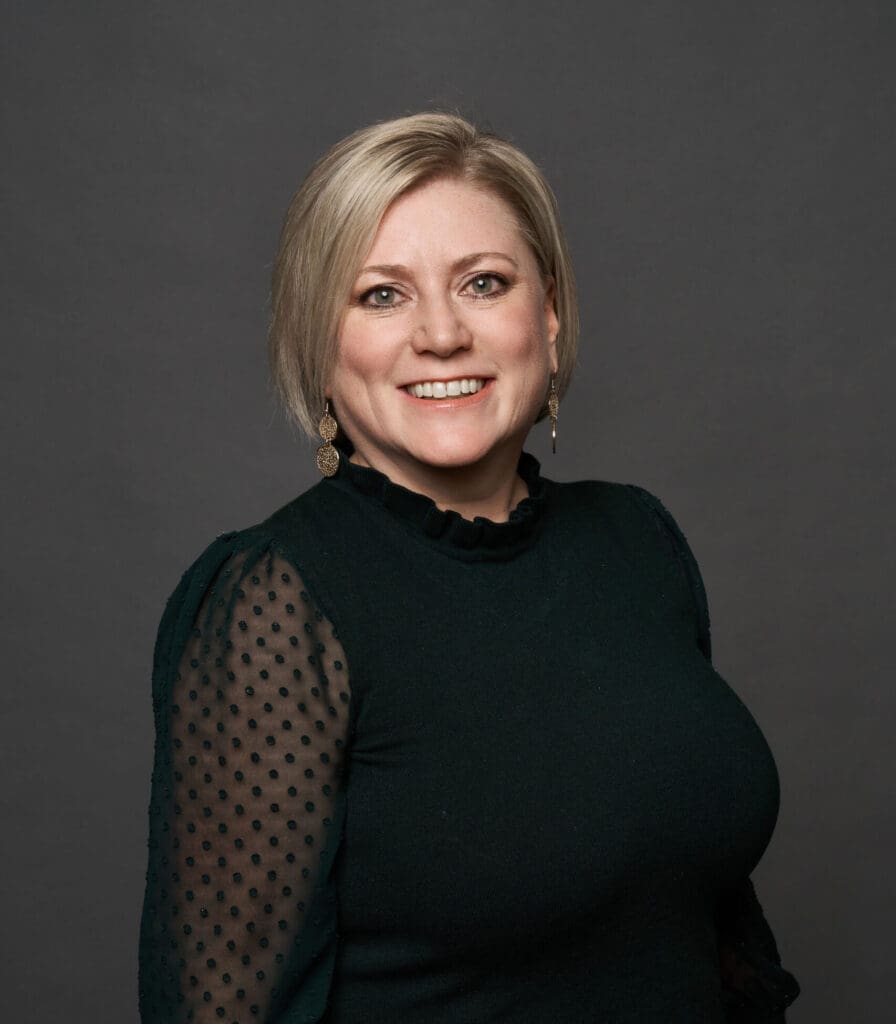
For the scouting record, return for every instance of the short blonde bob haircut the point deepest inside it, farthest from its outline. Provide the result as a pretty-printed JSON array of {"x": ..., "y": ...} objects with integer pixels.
[{"x": 333, "y": 218}]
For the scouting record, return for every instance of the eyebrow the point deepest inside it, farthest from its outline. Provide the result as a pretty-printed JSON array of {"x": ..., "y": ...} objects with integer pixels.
[{"x": 464, "y": 261}]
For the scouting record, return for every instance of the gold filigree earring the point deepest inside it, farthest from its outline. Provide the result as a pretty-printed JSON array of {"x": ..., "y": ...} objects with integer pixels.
[
  {"x": 553, "y": 408},
  {"x": 327, "y": 454}
]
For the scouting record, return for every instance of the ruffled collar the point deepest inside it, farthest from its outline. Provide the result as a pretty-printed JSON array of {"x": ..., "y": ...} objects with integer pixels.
[{"x": 447, "y": 529}]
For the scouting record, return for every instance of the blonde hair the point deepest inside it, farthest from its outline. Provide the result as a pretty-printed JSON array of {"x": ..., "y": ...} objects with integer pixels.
[{"x": 332, "y": 220}]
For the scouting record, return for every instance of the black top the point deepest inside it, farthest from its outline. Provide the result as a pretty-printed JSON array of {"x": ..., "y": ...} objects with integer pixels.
[{"x": 412, "y": 767}]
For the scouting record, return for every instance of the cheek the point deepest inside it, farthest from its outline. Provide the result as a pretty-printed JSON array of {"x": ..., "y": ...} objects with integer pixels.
[
  {"x": 360, "y": 352},
  {"x": 527, "y": 332}
]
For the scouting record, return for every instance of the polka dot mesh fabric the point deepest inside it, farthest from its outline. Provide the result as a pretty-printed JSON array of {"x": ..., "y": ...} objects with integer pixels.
[{"x": 250, "y": 749}]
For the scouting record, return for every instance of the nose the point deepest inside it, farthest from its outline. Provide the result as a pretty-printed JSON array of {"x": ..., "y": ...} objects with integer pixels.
[{"x": 440, "y": 327}]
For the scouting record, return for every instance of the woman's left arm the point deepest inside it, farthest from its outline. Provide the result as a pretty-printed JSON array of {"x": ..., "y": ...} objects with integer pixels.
[{"x": 755, "y": 987}]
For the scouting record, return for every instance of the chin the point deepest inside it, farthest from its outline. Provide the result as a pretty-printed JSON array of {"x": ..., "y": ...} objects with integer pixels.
[{"x": 451, "y": 453}]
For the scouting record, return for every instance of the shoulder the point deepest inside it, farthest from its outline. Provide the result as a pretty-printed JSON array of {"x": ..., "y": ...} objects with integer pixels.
[
  {"x": 290, "y": 533},
  {"x": 229, "y": 555},
  {"x": 614, "y": 499},
  {"x": 287, "y": 524},
  {"x": 250, "y": 560},
  {"x": 628, "y": 512},
  {"x": 640, "y": 524},
  {"x": 633, "y": 508}
]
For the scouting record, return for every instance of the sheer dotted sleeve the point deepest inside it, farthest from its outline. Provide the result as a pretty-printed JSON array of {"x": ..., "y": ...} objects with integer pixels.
[{"x": 251, "y": 699}]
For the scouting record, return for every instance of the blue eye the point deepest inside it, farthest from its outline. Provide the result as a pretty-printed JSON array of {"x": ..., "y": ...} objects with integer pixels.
[
  {"x": 383, "y": 295},
  {"x": 487, "y": 285}
]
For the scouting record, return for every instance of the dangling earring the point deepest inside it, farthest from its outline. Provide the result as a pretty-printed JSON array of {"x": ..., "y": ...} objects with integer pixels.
[
  {"x": 553, "y": 408},
  {"x": 327, "y": 455}
]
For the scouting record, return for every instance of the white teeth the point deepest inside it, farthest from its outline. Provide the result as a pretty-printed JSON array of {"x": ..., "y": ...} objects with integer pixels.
[{"x": 446, "y": 389}]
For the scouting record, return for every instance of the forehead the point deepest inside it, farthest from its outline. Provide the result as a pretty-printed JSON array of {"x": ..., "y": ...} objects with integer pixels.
[{"x": 447, "y": 214}]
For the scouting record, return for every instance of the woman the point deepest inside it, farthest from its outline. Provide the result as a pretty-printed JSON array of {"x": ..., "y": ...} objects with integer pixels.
[{"x": 440, "y": 740}]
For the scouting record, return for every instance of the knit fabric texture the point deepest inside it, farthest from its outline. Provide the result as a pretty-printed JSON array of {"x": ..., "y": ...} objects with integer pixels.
[{"x": 413, "y": 767}]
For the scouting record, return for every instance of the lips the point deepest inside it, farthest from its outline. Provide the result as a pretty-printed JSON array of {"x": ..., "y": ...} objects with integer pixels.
[
  {"x": 440, "y": 389},
  {"x": 450, "y": 401}
]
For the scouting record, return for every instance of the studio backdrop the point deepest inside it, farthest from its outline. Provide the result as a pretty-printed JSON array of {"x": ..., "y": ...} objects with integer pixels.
[{"x": 725, "y": 175}]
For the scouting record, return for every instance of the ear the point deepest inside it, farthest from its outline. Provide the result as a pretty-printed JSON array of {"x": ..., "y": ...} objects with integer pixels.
[
  {"x": 326, "y": 391},
  {"x": 552, "y": 321}
]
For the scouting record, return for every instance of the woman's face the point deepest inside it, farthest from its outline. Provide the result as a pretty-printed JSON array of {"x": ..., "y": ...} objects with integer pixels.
[{"x": 450, "y": 291}]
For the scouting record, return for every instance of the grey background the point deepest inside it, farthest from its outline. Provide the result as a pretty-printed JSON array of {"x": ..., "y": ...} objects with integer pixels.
[{"x": 725, "y": 172}]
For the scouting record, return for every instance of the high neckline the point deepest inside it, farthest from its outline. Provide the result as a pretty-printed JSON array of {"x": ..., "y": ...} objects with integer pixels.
[{"x": 447, "y": 529}]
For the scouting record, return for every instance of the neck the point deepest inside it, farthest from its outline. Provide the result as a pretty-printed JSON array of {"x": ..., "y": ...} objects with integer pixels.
[{"x": 489, "y": 487}]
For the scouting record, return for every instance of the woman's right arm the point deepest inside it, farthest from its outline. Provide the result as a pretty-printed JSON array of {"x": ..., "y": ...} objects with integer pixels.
[{"x": 251, "y": 699}]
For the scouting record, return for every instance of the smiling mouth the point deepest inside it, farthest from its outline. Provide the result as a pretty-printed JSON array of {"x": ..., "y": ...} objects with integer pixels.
[{"x": 441, "y": 389}]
